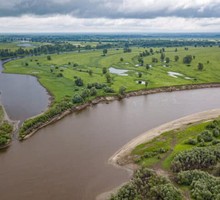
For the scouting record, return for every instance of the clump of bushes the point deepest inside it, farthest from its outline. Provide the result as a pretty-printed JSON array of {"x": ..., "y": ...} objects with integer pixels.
[
  {"x": 5, "y": 132},
  {"x": 205, "y": 136},
  {"x": 202, "y": 185},
  {"x": 108, "y": 90},
  {"x": 196, "y": 158},
  {"x": 191, "y": 141},
  {"x": 146, "y": 184},
  {"x": 96, "y": 85},
  {"x": 36, "y": 122}
]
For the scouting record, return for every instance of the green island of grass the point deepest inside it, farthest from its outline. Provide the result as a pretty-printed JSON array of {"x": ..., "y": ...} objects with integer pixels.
[
  {"x": 75, "y": 78},
  {"x": 179, "y": 164}
]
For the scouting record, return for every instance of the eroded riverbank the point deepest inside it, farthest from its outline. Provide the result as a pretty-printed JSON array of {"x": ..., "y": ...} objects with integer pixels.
[{"x": 98, "y": 100}]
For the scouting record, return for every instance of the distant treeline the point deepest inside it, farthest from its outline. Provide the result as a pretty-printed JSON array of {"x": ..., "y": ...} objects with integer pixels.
[
  {"x": 62, "y": 43},
  {"x": 49, "y": 49}
]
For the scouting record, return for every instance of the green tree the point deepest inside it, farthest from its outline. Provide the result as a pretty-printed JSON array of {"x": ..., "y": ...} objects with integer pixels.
[
  {"x": 162, "y": 56},
  {"x": 93, "y": 91},
  {"x": 79, "y": 82},
  {"x": 200, "y": 66},
  {"x": 187, "y": 59},
  {"x": 48, "y": 57},
  {"x": 77, "y": 99},
  {"x": 105, "y": 51},
  {"x": 176, "y": 58},
  {"x": 85, "y": 93},
  {"x": 167, "y": 59},
  {"x": 108, "y": 78},
  {"x": 122, "y": 90},
  {"x": 90, "y": 72},
  {"x": 147, "y": 66},
  {"x": 104, "y": 70}
]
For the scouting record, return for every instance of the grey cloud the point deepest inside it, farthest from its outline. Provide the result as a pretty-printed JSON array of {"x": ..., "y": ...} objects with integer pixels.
[{"x": 113, "y": 9}]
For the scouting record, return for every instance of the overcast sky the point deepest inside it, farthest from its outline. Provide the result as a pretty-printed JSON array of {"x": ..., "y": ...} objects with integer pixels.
[{"x": 110, "y": 16}]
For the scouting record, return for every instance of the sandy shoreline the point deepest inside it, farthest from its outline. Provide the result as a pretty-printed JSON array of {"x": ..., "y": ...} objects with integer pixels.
[{"x": 118, "y": 157}]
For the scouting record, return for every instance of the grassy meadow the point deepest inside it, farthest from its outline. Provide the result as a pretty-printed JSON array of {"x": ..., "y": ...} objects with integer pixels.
[{"x": 157, "y": 76}]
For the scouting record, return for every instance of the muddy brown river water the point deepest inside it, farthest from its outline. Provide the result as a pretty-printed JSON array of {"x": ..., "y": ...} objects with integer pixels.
[{"x": 68, "y": 160}]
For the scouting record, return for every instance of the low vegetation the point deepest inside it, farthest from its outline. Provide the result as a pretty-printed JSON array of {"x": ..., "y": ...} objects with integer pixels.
[
  {"x": 189, "y": 157},
  {"x": 146, "y": 184},
  {"x": 5, "y": 129}
]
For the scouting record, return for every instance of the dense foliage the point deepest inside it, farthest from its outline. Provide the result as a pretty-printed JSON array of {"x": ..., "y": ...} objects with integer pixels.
[
  {"x": 5, "y": 132},
  {"x": 36, "y": 122},
  {"x": 146, "y": 184},
  {"x": 196, "y": 158},
  {"x": 203, "y": 186}
]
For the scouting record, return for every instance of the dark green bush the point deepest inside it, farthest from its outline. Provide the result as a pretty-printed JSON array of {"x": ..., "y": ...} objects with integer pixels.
[
  {"x": 206, "y": 136},
  {"x": 146, "y": 184},
  {"x": 203, "y": 186},
  {"x": 196, "y": 158}
]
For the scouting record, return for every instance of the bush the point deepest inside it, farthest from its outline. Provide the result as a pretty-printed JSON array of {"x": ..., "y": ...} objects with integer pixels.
[
  {"x": 85, "y": 93},
  {"x": 187, "y": 59},
  {"x": 216, "y": 132},
  {"x": 122, "y": 90},
  {"x": 196, "y": 158},
  {"x": 79, "y": 82},
  {"x": 146, "y": 184},
  {"x": 77, "y": 99},
  {"x": 205, "y": 135},
  {"x": 191, "y": 141},
  {"x": 108, "y": 90},
  {"x": 203, "y": 186},
  {"x": 93, "y": 91}
]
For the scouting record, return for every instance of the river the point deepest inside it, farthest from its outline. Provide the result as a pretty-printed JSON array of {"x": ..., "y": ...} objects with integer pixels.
[{"x": 68, "y": 160}]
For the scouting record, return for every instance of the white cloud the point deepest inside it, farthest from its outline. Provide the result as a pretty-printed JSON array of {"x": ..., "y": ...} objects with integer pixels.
[{"x": 67, "y": 23}]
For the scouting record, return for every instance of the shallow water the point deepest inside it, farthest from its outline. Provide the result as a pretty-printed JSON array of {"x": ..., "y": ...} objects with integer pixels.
[
  {"x": 68, "y": 160},
  {"x": 120, "y": 72}
]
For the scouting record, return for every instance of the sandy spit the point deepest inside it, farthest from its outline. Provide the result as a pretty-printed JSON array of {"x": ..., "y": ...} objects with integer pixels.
[{"x": 121, "y": 154}]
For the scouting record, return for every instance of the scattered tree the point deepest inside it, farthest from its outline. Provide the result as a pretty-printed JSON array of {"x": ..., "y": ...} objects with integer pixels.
[
  {"x": 48, "y": 57},
  {"x": 79, "y": 82},
  {"x": 176, "y": 58},
  {"x": 104, "y": 70},
  {"x": 139, "y": 74},
  {"x": 200, "y": 66},
  {"x": 187, "y": 59},
  {"x": 122, "y": 90},
  {"x": 105, "y": 51}
]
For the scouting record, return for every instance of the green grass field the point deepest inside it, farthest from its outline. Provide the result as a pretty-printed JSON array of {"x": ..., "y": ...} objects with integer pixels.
[
  {"x": 156, "y": 76},
  {"x": 172, "y": 142}
]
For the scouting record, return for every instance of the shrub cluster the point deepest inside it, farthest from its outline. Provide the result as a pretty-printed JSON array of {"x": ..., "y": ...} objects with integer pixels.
[
  {"x": 36, "y": 122},
  {"x": 196, "y": 158},
  {"x": 146, "y": 184},
  {"x": 5, "y": 132},
  {"x": 202, "y": 185}
]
